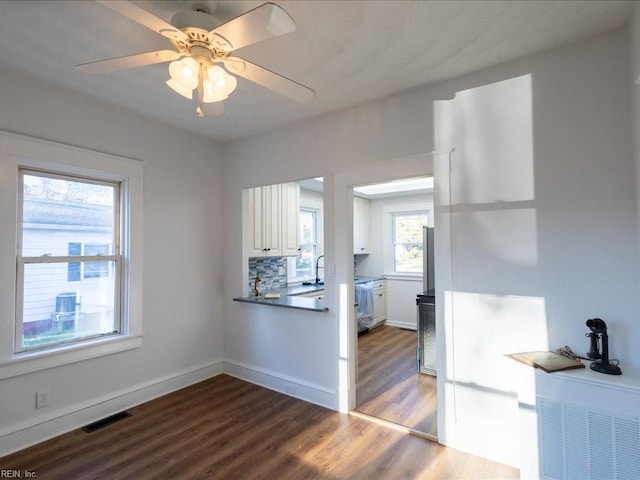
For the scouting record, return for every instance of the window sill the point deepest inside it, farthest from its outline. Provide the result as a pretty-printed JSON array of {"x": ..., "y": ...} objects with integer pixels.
[{"x": 27, "y": 362}]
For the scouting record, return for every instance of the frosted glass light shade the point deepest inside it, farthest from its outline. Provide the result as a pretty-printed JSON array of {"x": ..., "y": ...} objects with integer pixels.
[
  {"x": 185, "y": 92},
  {"x": 184, "y": 76},
  {"x": 219, "y": 85}
]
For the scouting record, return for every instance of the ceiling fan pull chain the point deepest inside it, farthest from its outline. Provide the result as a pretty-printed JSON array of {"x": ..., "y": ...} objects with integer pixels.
[{"x": 199, "y": 110}]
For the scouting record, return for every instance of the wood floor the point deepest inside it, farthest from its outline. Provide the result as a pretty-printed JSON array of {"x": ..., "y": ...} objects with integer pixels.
[
  {"x": 389, "y": 386},
  {"x": 225, "y": 428}
]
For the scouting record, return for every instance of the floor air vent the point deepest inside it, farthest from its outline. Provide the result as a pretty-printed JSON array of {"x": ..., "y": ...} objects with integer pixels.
[
  {"x": 580, "y": 444},
  {"x": 92, "y": 427}
]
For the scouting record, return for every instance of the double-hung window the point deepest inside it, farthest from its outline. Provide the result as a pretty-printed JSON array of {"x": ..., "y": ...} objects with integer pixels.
[
  {"x": 408, "y": 241},
  {"x": 69, "y": 264}
]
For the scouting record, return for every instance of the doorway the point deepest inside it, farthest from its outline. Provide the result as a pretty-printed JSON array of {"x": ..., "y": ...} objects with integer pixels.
[{"x": 389, "y": 384}]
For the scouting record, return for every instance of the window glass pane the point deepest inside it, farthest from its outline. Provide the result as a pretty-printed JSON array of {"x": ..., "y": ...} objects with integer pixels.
[
  {"x": 407, "y": 242},
  {"x": 55, "y": 310},
  {"x": 305, "y": 262},
  {"x": 307, "y": 227},
  {"x": 408, "y": 228},
  {"x": 408, "y": 258},
  {"x": 74, "y": 271},
  {"x": 55, "y": 210},
  {"x": 302, "y": 267}
]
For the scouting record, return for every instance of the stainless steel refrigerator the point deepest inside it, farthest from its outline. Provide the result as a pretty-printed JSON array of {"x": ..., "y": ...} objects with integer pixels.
[{"x": 426, "y": 310}]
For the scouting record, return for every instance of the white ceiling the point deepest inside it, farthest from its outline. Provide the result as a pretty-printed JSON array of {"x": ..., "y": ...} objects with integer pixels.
[{"x": 349, "y": 52}]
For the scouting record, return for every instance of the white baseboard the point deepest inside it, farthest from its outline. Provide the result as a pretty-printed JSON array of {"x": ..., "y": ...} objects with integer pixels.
[
  {"x": 56, "y": 422},
  {"x": 309, "y": 392},
  {"x": 405, "y": 325}
]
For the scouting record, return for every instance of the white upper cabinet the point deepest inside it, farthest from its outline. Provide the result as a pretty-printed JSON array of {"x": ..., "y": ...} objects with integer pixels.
[
  {"x": 360, "y": 225},
  {"x": 274, "y": 212},
  {"x": 290, "y": 219}
]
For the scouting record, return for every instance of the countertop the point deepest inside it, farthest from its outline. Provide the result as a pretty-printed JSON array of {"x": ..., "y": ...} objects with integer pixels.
[{"x": 291, "y": 296}]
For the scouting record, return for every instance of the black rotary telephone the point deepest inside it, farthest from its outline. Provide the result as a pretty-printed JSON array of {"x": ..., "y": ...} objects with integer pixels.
[{"x": 601, "y": 361}]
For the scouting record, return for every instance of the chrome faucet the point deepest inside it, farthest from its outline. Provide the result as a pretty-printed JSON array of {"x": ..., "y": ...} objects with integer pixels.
[{"x": 317, "y": 267}]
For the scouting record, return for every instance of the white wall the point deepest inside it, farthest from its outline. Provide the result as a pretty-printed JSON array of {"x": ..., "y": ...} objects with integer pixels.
[
  {"x": 545, "y": 231},
  {"x": 182, "y": 263}
]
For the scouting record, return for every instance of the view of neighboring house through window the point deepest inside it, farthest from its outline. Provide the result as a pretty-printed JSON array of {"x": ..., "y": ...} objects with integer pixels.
[
  {"x": 408, "y": 241},
  {"x": 69, "y": 286},
  {"x": 303, "y": 266}
]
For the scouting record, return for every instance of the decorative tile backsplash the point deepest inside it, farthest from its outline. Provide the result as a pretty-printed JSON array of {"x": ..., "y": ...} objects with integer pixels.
[{"x": 268, "y": 268}]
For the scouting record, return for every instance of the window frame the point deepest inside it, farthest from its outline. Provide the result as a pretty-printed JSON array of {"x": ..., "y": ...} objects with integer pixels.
[
  {"x": 18, "y": 151},
  {"x": 395, "y": 243},
  {"x": 22, "y": 261},
  {"x": 388, "y": 253}
]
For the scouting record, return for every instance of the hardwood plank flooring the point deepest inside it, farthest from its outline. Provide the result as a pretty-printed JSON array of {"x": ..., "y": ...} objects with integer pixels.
[
  {"x": 225, "y": 428},
  {"x": 389, "y": 386}
]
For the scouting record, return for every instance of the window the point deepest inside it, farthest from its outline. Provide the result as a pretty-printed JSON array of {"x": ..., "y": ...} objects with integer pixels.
[
  {"x": 69, "y": 263},
  {"x": 407, "y": 234},
  {"x": 303, "y": 266}
]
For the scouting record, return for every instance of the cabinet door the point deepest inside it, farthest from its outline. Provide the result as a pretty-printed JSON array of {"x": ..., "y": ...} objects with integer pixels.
[
  {"x": 256, "y": 221},
  {"x": 264, "y": 221},
  {"x": 272, "y": 220},
  {"x": 290, "y": 219},
  {"x": 360, "y": 225},
  {"x": 380, "y": 301}
]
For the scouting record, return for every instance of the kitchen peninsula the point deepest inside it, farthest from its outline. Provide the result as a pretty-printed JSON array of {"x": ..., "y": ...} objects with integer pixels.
[{"x": 302, "y": 297}]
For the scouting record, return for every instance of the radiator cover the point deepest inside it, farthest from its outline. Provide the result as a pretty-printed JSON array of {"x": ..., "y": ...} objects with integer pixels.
[{"x": 581, "y": 443}]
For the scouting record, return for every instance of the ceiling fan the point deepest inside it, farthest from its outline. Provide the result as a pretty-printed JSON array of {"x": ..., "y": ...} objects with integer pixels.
[{"x": 202, "y": 45}]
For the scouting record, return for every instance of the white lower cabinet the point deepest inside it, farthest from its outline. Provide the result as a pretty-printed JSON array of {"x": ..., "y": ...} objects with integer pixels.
[{"x": 380, "y": 301}]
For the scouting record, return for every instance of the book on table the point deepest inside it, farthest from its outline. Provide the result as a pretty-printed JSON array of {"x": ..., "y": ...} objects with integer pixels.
[{"x": 547, "y": 361}]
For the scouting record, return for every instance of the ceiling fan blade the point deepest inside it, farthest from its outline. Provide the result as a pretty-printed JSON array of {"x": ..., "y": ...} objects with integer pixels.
[
  {"x": 130, "y": 61},
  {"x": 144, "y": 17},
  {"x": 263, "y": 22},
  {"x": 267, "y": 78}
]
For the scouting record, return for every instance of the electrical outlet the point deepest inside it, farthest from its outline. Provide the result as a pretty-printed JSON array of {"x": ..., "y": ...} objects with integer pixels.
[
  {"x": 290, "y": 389},
  {"x": 42, "y": 398}
]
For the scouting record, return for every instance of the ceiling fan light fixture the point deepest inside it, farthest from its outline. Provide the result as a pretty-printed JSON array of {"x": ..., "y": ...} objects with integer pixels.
[{"x": 219, "y": 85}]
